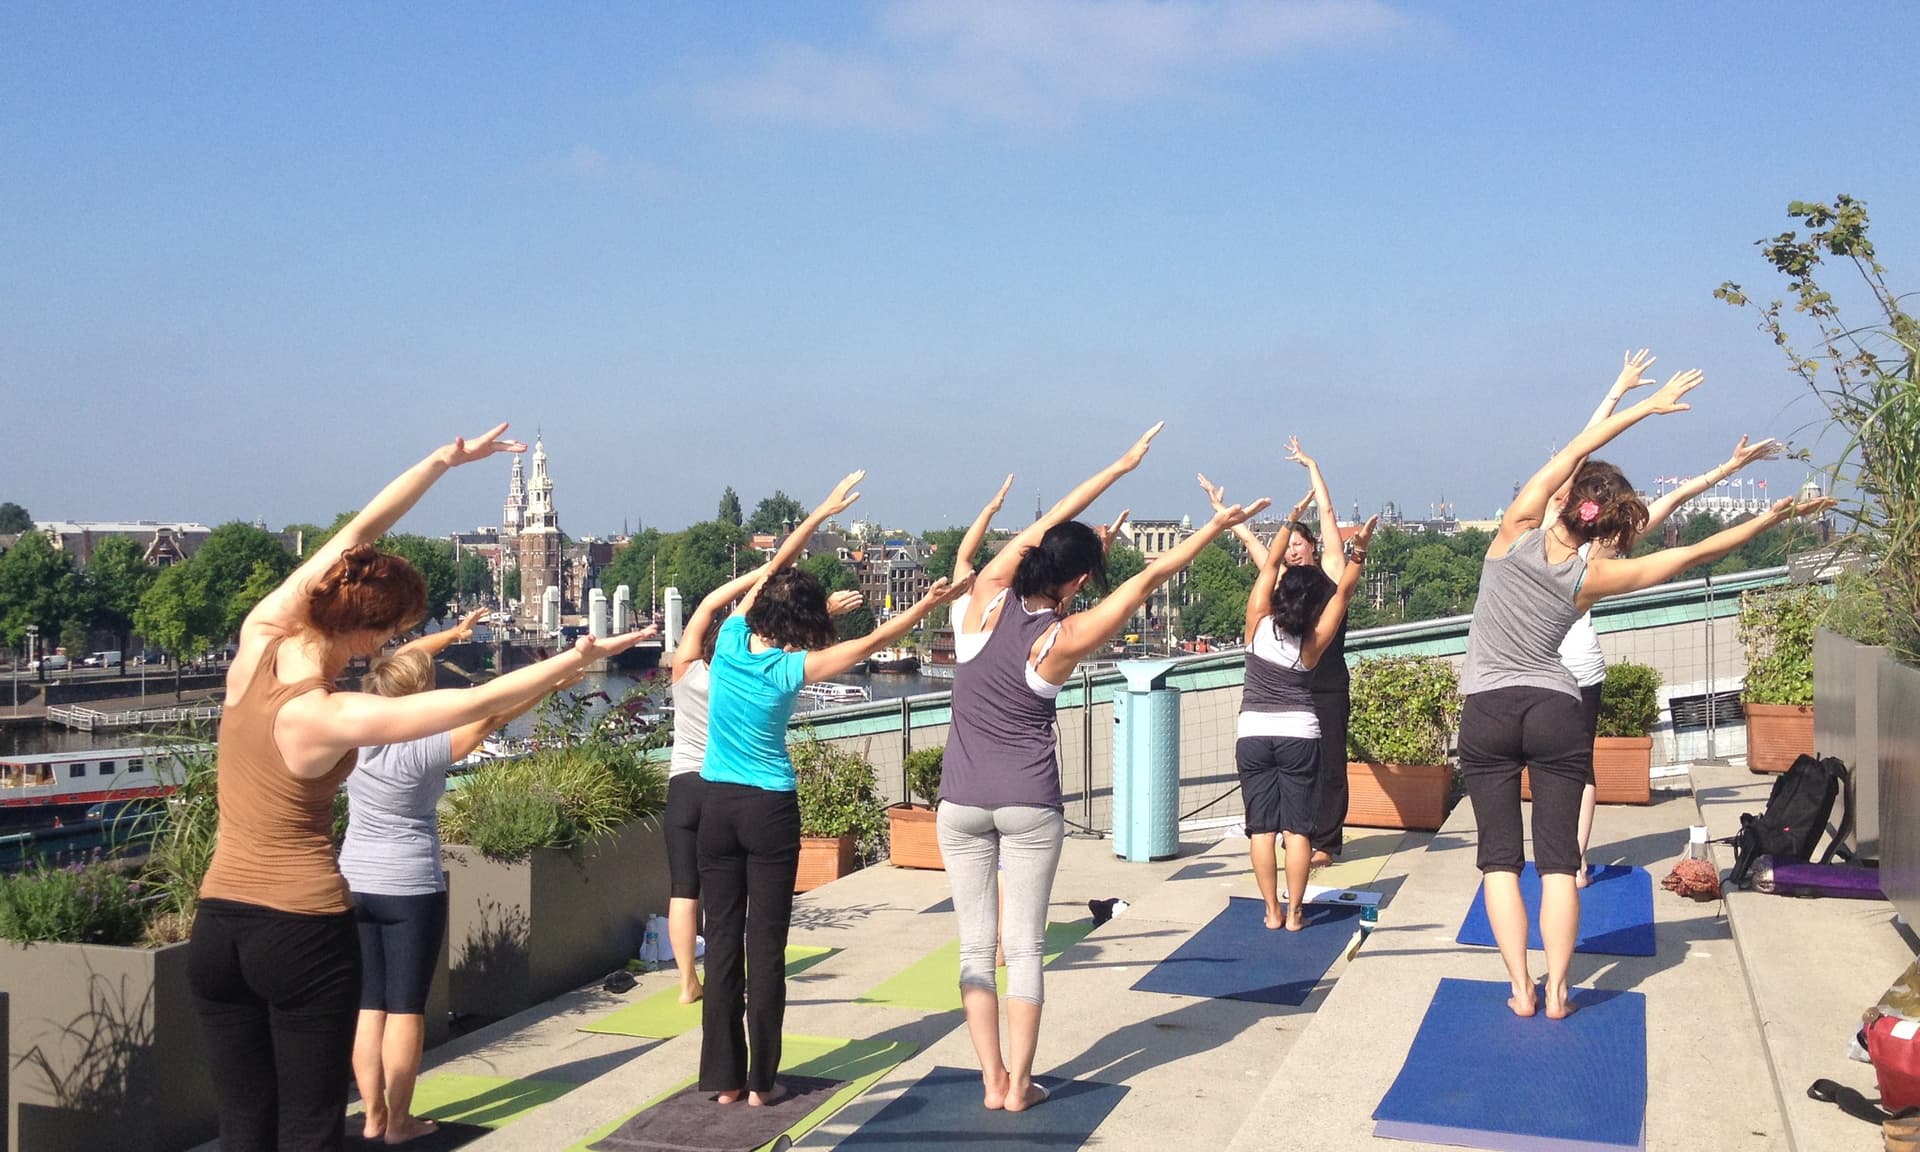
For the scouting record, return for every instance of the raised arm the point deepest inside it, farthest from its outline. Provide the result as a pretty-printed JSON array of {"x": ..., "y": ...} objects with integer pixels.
[
  {"x": 977, "y": 533},
  {"x": 1743, "y": 455},
  {"x": 465, "y": 739},
  {"x": 1272, "y": 560},
  {"x": 837, "y": 501},
  {"x": 1217, "y": 497},
  {"x": 1332, "y": 558},
  {"x": 437, "y": 642},
  {"x": 1611, "y": 576},
  {"x": 284, "y": 607},
  {"x": 693, "y": 632},
  {"x": 1084, "y": 632},
  {"x": 1530, "y": 505},
  {"x": 999, "y": 571},
  {"x": 1314, "y": 646},
  {"x": 321, "y": 727},
  {"x": 826, "y": 663}
]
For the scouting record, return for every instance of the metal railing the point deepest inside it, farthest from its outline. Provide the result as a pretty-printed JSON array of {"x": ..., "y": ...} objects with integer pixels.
[{"x": 92, "y": 719}]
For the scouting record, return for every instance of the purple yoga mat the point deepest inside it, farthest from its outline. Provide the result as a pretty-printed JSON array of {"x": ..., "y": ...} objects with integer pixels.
[{"x": 1796, "y": 878}]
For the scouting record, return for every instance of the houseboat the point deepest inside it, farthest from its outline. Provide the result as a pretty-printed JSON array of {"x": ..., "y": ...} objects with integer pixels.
[
  {"x": 827, "y": 694},
  {"x": 43, "y": 788},
  {"x": 894, "y": 660}
]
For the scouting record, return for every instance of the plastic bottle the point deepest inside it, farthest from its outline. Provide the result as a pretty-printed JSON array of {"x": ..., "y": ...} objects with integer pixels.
[
  {"x": 1369, "y": 919},
  {"x": 650, "y": 947},
  {"x": 1697, "y": 843}
]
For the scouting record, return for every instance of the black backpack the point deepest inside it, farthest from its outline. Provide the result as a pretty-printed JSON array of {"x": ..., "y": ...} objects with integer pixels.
[{"x": 1796, "y": 818}]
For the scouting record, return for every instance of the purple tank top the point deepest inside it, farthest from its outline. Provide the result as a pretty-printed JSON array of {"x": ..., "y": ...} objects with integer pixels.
[{"x": 1001, "y": 748}]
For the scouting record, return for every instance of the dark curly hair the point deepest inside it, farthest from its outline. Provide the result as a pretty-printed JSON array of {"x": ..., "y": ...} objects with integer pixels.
[
  {"x": 791, "y": 611},
  {"x": 1065, "y": 553},
  {"x": 1619, "y": 515},
  {"x": 1303, "y": 592},
  {"x": 367, "y": 590}
]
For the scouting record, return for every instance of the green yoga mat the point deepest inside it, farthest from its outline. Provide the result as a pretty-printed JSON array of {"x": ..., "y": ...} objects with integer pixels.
[
  {"x": 489, "y": 1101},
  {"x": 933, "y": 983},
  {"x": 858, "y": 1062},
  {"x": 661, "y": 1016}
]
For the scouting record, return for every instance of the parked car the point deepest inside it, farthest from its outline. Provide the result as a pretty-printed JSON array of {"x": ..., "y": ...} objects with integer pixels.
[
  {"x": 151, "y": 656},
  {"x": 54, "y": 663}
]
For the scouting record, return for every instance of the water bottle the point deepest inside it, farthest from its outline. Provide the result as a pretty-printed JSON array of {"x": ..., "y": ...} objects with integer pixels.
[
  {"x": 1697, "y": 843},
  {"x": 650, "y": 947},
  {"x": 1369, "y": 919}
]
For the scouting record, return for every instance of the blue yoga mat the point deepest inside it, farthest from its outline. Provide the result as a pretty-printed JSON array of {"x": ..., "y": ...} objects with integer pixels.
[
  {"x": 1480, "y": 1077},
  {"x": 944, "y": 1107},
  {"x": 1235, "y": 956},
  {"x": 1616, "y": 912}
]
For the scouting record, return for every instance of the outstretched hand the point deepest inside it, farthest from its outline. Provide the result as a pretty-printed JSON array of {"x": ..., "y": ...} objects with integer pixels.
[
  {"x": 1108, "y": 533},
  {"x": 1745, "y": 454},
  {"x": 1669, "y": 398},
  {"x": 1138, "y": 452},
  {"x": 943, "y": 590},
  {"x": 1000, "y": 498},
  {"x": 1296, "y": 455},
  {"x": 1786, "y": 507},
  {"x": 844, "y": 601},
  {"x": 843, "y": 494},
  {"x": 1362, "y": 537},
  {"x": 591, "y": 649},
  {"x": 465, "y": 627},
  {"x": 464, "y": 451},
  {"x": 1236, "y": 514},
  {"x": 1631, "y": 369},
  {"x": 1216, "y": 493}
]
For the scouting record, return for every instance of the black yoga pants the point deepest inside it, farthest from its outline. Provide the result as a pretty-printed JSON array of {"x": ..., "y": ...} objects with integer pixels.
[
  {"x": 749, "y": 855},
  {"x": 684, "y": 793},
  {"x": 276, "y": 994},
  {"x": 1329, "y": 828},
  {"x": 400, "y": 940},
  {"x": 1541, "y": 729}
]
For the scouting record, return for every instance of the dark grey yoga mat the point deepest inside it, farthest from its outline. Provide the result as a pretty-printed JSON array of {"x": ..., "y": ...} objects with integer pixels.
[
  {"x": 450, "y": 1135},
  {"x": 690, "y": 1121},
  {"x": 943, "y": 1110}
]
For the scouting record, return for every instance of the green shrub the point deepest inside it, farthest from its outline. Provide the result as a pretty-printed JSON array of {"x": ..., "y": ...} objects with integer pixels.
[
  {"x": 838, "y": 795},
  {"x": 557, "y": 797},
  {"x": 1404, "y": 710},
  {"x": 1776, "y": 625},
  {"x": 80, "y": 904},
  {"x": 181, "y": 842},
  {"x": 1629, "y": 700},
  {"x": 923, "y": 773},
  {"x": 1858, "y": 610}
]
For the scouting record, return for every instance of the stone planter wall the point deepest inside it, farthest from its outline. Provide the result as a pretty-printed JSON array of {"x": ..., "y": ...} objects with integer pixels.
[
  {"x": 522, "y": 933},
  {"x": 1846, "y": 723},
  {"x": 1899, "y": 787},
  {"x": 104, "y": 1050}
]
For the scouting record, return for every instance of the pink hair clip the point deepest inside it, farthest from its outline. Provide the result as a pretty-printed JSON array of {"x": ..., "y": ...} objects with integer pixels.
[{"x": 1589, "y": 511}]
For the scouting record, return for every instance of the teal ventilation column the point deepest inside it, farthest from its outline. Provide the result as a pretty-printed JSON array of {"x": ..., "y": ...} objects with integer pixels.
[{"x": 1146, "y": 763}]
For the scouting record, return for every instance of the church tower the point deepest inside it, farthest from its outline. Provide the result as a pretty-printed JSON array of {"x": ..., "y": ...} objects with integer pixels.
[
  {"x": 512, "y": 515},
  {"x": 538, "y": 540}
]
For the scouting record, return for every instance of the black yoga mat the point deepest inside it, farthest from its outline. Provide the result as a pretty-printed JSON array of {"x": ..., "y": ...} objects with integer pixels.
[{"x": 690, "y": 1120}]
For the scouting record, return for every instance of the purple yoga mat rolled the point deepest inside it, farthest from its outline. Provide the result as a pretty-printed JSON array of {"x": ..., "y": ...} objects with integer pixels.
[{"x": 1798, "y": 878}]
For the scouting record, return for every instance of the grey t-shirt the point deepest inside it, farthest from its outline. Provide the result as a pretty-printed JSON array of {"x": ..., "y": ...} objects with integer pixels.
[
  {"x": 1525, "y": 607},
  {"x": 393, "y": 826},
  {"x": 689, "y": 720}
]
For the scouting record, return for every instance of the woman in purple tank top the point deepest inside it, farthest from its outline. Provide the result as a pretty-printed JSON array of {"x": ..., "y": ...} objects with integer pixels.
[{"x": 1000, "y": 801}]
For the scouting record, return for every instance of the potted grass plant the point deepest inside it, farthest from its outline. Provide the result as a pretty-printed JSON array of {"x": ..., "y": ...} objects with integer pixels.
[
  {"x": 913, "y": 833},
  {"x": 842, "y": 818},
  {"x": 1623, "y": 745},
  {"x": 1404, "y": 711},
  {"x": 1777, "y": 627}
]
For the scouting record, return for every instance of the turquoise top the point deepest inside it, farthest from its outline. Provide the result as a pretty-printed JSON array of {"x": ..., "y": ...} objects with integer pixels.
[{"x": 750, "y": 699}]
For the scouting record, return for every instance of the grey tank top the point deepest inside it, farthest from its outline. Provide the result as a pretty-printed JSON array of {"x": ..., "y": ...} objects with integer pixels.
[
  {"x": 689, "y": 720},
  {"x": 1001, "y": 748},
  {"x": 1525, "y": 607},
  {"x": 1275, "y": 681}
]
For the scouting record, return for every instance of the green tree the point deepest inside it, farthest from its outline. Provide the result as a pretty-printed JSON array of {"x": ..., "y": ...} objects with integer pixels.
[
  {"x": 475, "y": 578},
  {"x": 434, "y": 560},
  {"x": 510, "y": 584},
  {"x": 729, "y": 507},
  {"x": 178, "y": 615},
  {"x": 14, "y": 519},
  {"x": 261, "y": 581},
  {"x": 704, "y": 557},
  {"x": 943, "y": 548},
  {"x": 1217, "y": 590},
  {"x": 306, "y": 537},
  {"x": 74, "y": 637},
  {"x": 1124, "y": 562},
  {"x": 837, "y": 577},
  {"x": 36, "y": 587},
  {"x": 225, "y": 563},
  {"x": 115, "y": 579},
  {"x": 633, "y": 565},
  {"x": 776, "y": 513}
]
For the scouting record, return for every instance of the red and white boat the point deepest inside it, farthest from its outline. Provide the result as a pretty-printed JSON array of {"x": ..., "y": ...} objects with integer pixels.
[{"x": 43, "y": 786}]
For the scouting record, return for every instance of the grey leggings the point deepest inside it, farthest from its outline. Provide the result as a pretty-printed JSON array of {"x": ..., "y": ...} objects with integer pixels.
[{"x": 973, "y": 842}]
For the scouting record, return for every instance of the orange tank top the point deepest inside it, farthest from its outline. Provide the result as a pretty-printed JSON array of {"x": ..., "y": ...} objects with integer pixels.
[{"x": 275, "y": 847}]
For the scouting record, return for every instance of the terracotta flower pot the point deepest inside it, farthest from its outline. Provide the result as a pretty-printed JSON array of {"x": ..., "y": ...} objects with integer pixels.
[
  {"x": 1777, "y": 734},
  {"x": 823, "y": 860},
  {"x": 914, "y": 833},
  {"x": 1622, "y": 771},
  {"x": 1411, "y": 796}
]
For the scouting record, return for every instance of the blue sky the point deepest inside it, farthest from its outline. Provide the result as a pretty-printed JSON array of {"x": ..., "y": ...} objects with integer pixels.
[{"x": 261, "y": 257}]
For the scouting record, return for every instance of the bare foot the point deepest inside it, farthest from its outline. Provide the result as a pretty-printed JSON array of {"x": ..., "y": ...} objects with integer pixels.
[
  {"x": 1296, "y": 919},
  {"x": 1319, "y": 859},
  {"x": 1523, "y": 1002},
  {"x": 376, "y": 1125},
  {"x": 1559, "y": 1002},
  {"x": 691, "y": 993},
  {"x": 761, "y": 1099},
  {"x": 1275, "y": 917},
  {"x": 729, "y": 1097},
  {"x": 997, "y": 1084},
  {"x": 410, "y": 1128},
  {"x": 1021, "y": 1101}
]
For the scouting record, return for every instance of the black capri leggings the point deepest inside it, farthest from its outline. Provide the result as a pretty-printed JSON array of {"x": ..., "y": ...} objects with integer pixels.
[
  {"x": 400, "y": 940},
  {"x": 1541, "y": 729},
  {"x": 684, "y": 792},
  {"x": 275, "y": 994}
]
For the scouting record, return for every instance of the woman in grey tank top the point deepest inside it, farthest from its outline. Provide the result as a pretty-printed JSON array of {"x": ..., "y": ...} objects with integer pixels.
[
  {"x": 1000, "y": 801},
  {"x": 1522, "y": 705}
]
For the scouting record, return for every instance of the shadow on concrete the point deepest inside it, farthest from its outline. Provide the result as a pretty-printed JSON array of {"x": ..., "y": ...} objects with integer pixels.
[
  {"x": 835, "y": 919},
  {"x": 1127, "y": 1053}
]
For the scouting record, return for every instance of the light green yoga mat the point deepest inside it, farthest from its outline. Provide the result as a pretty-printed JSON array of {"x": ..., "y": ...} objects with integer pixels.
[
  {"x": 933, "y": 983},
  {"x": 661, "y": 1016},
  {"x": 489, "y": 1101},
  {"x": 859, "y": 1062}
]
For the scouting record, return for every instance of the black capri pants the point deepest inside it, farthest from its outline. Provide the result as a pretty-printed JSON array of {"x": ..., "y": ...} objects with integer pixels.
[
  {"x": 275, "y": 994},
  {"x": 1540, "y": 729},
  {"x": 749, "y": 855},
  {"x": 1330, "y": 825},
  {"x": 1279, "y": 782},
  {"x": 400, "y": 939},
  {"x": 684, "y": 792}
]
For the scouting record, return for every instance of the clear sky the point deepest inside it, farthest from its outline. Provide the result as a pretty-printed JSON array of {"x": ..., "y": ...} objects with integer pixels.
[{"x": 260, "y": 257}]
